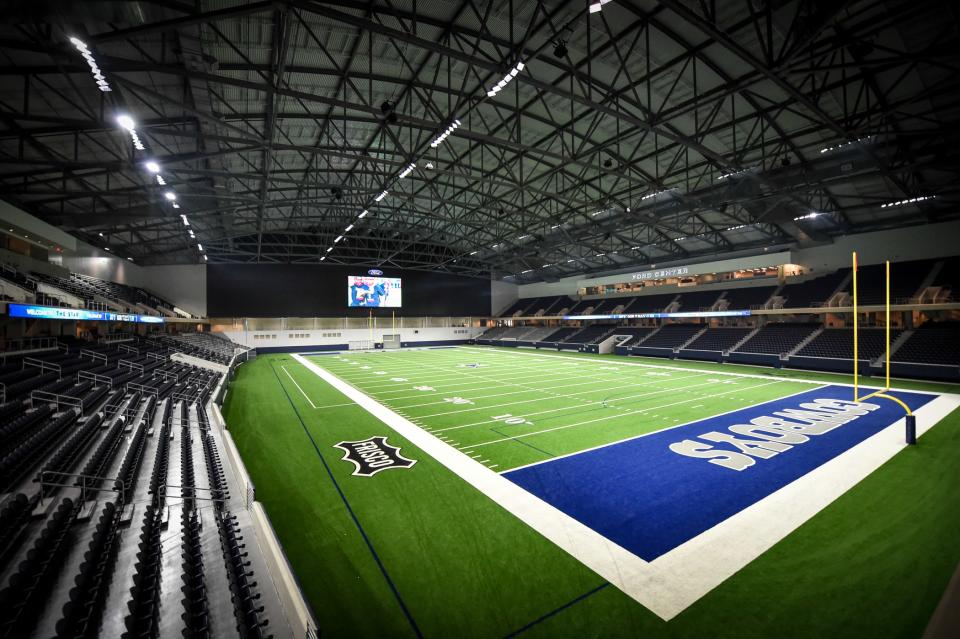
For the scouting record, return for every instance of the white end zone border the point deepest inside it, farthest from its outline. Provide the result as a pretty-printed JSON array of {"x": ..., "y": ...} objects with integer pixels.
[{"x": 677, "y": 579}]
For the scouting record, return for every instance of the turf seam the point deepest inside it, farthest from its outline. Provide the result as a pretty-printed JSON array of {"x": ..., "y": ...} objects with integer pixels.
[
  {"x": 353, "y": 515},
  {"x": 557, "y": 611}
]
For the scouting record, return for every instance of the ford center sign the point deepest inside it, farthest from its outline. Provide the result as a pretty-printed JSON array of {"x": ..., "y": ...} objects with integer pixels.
[{"x": 375, "y": 272}]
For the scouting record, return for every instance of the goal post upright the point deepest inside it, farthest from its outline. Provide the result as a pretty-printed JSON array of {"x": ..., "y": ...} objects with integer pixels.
[{"x": 856, "y": 336}]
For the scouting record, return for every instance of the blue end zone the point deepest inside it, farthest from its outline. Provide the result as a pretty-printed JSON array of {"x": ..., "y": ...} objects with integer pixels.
[{"x": 650, "y": 499}]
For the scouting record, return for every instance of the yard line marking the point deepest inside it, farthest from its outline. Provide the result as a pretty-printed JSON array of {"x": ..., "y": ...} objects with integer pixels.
[
  {"x": 553, "y": 410},
  {"x": 297, "y": 385},
  {"x": 600, "y": 419}
]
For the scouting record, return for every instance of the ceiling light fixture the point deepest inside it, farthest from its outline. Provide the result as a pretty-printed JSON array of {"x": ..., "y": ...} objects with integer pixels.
[
  {"x": 160, "y": 180},
  {"x": 406, "y": 171},
  {"x": 339, "y": 237},
  {"x": 443, "y": 136},
  {"x": 184, "y": 218},
  {"x": 348, "y": 229},
  {"x": 170, "y": 195},
  {"x": 380, "y": 197},
  {"x": 98, "y": 76},
  {"x": 362, "y": 215},
  {"x": 152, "y": 166},
  {"x": 128, "y": 123},
  {"x": 506, "y": 79},
  {"x": 200, "y": 247},
  {"x": 908, "y": 201},
  {"x": 596, "y": 5},
  {"x": 329, "y": 249}
]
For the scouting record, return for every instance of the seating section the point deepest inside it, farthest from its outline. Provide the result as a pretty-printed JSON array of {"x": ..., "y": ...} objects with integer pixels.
[
  {"x": 636, "y": 333},
  {"x": 744, "y": 299},
  {"x": 559, "y": 334},
  {"x": 932, "y": 343},
  {"x": 672, "y": 335},
  {"x": 133, "y": 554},
  {"x": 815, "y": 292},
  {"x": 777, "y": 338},
  {"x": 210, "y": 346},
  {"x": 590, "y": 334},
  {"x": 649, "y": 303},
  {"x": 905, "y": 280},
  {"x": 92, "y": 292},
  {"x": 698, "y": 300},
  {"x": 837, "y": 343},
  {"x": 719, "y": 339}
]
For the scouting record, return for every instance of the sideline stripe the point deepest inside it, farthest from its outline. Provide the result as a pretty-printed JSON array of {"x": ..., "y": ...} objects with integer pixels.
[
  {"x": 353, "y": 515},
  {"x": 557, "y": 611},
  {"x": 305, "y": 396}
]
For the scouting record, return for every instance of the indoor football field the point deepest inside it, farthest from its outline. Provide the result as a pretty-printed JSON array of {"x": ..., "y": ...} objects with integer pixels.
[{"x": 485, "y": 491}]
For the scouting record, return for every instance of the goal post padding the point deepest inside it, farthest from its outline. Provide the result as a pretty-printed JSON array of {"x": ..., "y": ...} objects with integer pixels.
[{"x": 391, "y": 341}]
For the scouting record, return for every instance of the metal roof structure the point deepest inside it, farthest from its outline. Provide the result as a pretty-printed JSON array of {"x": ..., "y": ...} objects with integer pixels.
[{"x": 571, "y": 141}]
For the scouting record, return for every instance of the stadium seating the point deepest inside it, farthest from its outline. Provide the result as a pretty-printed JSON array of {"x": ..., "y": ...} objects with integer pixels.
[
  {"x": 590, "y": 334},
  {"x": 559, "y": 334},
  {"x": 905, "y": 280},
  {"x": 672, "y": 335},
  {"x": 814, "y": 292},
  {"x": 748, "y": 298},
  {"x": 649, "y": 303},
  {"x": 933, "y": 343},
  {"x": 837, "y": 343},
  {"x": 636, "y": 333},
  {"x": 698, "y": 300},
  {"x": 777, "y": 338},
  {"x": 79, "y": 413},
  {"x": 719, "y": 339}
]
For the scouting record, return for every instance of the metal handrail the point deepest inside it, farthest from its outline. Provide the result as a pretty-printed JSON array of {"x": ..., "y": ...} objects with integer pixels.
[
  {"x": 45, "y": 397},
  {"x": 96, "y": 379}
]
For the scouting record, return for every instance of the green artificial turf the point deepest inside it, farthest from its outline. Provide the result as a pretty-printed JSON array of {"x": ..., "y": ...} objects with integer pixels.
[{"x": 420, "y": 551}]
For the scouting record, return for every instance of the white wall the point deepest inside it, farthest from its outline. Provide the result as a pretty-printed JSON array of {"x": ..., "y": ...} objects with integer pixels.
[
  {"x": 502, "y": 296},
  {"x": 264, "y": 337},
  {"x": 185, "y": 285}
]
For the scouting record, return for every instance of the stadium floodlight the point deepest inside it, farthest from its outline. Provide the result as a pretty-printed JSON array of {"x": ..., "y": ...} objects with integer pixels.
[
  {"x": 529, "y": 270},
  {"x": 348, "y": 229},
  {"x": 130, "y": 259},
  {"x": 808, "y": 216},
  {"x": 329, "y": 249},
  {"x": 184, "y": 218},
  {"x": 380, "y": 197},
  {"x": 200, "y": 247},
  {"x": 323, "y": 257},
  {"x": 407, "y": 171},
  {"x": 339, "y": 237},
  {"x": 474, "y": 252},
  {"x": 176, "y": 206},
  {"x": 511, "y": 74},
  {"x": 106, "y": 248},
  {"x": 363, "y": 215},
  {"x": 126, "y": 122},
  {"x": 152, "y": 166},
  {"x": 205, "y": 258},
  {"x": 160, "y": 180},
  {"x": 190, "y": 231},
  {"x": 170, "y": 195}
]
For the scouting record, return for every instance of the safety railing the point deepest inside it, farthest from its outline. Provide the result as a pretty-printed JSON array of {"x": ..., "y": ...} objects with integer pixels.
[
  {"x": 43, "y": 397},
  {"x": 43, "y": 366},
  {"x": 133, "y": 366},
  {"x": 95, "y": 378},
  {"x": 93, "y": 355}
]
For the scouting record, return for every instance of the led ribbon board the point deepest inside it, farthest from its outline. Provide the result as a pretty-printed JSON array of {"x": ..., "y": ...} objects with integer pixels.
[
  {"x": 659, "y": 315},
  {"x": 57, "y": 313}
]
